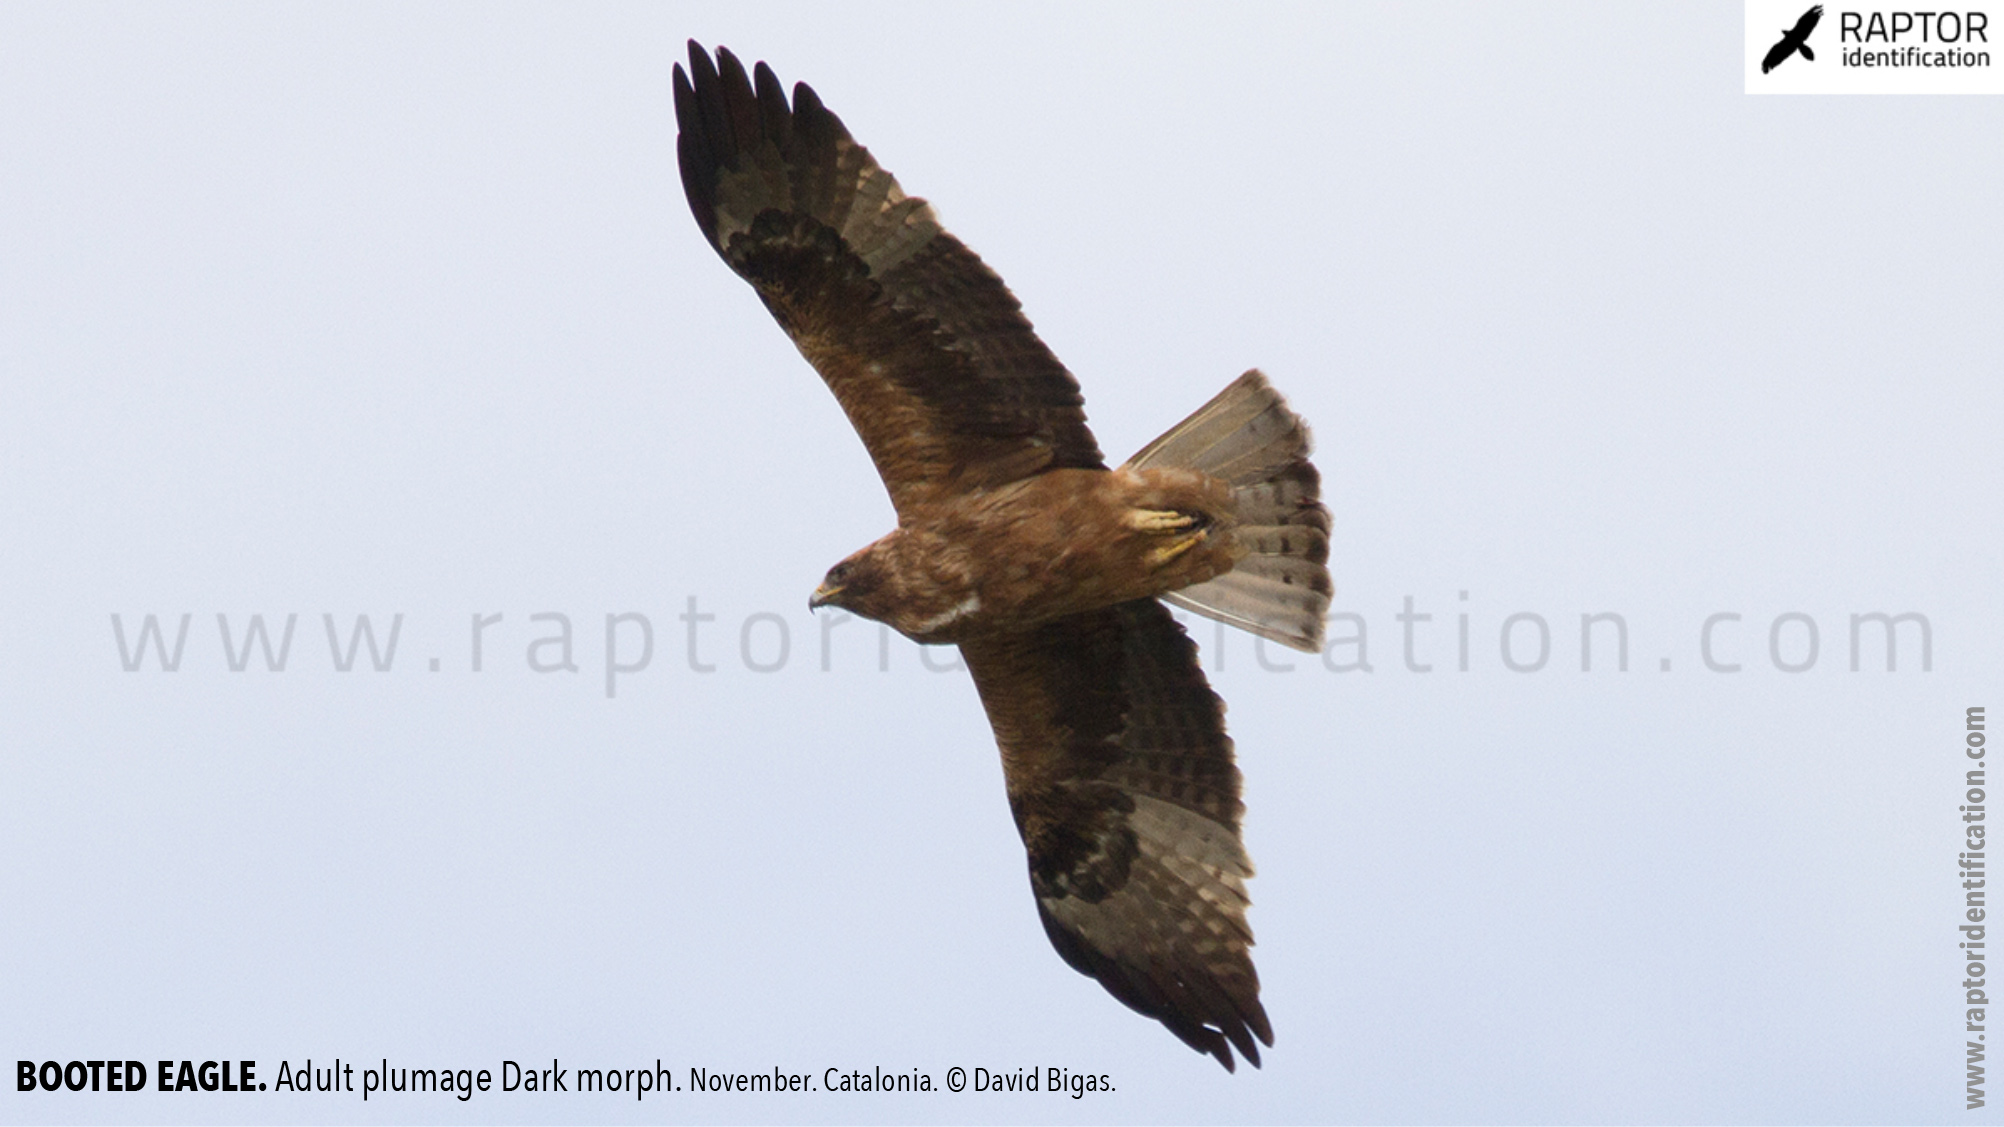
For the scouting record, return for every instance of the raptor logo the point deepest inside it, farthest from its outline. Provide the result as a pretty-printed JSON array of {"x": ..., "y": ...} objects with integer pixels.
[{"x": 1792, "y": 40}]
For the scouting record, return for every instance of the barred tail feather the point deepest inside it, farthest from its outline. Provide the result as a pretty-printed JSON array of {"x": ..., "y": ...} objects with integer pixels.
[{"x": 1248, "y": 438}]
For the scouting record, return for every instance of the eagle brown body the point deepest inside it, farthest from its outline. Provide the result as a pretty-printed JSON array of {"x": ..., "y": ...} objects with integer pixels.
[
  {"x": 1010, "y": 557},
  {"x": 1018, "y": 543}
]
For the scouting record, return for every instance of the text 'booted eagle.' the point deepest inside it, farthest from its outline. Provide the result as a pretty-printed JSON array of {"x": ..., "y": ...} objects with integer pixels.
[{"x": 1016, "y": 541}]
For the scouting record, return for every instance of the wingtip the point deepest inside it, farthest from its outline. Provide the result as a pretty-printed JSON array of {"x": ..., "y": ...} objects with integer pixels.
[
  {"x": 700, "y": 63},
  {"x": 766, "y": 83},
  {"x": 1221, "y": 1043},
  {"x": 806, "y": 101},
  {"x": 730, "y": 70},
  {"x": 703, "y": 143}
]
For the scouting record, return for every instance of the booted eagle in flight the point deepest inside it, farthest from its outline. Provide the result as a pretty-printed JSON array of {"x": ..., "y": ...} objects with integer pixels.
[{"x": 1018, "y": 543}]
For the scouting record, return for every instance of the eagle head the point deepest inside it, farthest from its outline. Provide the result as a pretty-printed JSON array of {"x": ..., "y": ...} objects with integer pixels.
[
  {"x": 894, "y": 581},
  {"x": 857, "y": 584}
]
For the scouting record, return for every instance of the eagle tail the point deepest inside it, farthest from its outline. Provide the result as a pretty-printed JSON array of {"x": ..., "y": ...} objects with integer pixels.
[
  {"x": 1807, "y": 53},
  {"x": 1248, "y": 438}
]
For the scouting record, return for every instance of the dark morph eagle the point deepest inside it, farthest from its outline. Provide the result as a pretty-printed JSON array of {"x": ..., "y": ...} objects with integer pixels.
[
  {"x": 1792, "y": 40},
  {"x": 1016, "y": 541}
]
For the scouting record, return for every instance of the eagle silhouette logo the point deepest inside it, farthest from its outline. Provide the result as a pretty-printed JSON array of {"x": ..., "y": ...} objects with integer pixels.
[{"x": 1792, "y": 40}]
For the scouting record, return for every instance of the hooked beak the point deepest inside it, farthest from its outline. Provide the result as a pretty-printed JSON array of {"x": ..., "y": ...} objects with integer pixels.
[{"x": 822, "y": 596}]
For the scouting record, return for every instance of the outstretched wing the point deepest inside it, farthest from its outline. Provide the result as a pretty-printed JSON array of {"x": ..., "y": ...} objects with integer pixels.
[
  {"x": 1806, "y": 24},
  {"x": 1122, "y": 784},
  {"x": 927, "y": 350}
]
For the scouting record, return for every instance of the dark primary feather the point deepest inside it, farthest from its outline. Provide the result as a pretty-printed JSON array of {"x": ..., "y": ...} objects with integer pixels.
[
  {"x": 927, "y": 351},
  {"x": 1122, "y": 784}
]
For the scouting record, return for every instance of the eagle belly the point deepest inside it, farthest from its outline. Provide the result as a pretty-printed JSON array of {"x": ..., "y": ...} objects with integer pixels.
[{"x": 1061, "y": 543}]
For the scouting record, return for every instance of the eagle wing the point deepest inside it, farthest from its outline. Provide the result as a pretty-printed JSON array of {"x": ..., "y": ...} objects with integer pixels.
[
  {"x": 927, "y": 351},
  {"x": 1122, "y": 784}
]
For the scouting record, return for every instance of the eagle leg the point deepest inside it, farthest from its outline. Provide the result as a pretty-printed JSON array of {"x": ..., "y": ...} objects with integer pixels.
[
  {"x": 1158, "y": 520},
  {"x": 1167, "y": 552}
]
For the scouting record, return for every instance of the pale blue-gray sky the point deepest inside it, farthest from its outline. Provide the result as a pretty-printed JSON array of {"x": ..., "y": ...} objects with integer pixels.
[{"x": 328, "y": 310}]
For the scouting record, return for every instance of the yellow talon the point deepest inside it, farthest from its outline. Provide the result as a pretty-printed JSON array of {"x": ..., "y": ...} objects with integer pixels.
[
  {"x": 1158, "y": 520},
  {"x": 1168, "y": 552}
]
